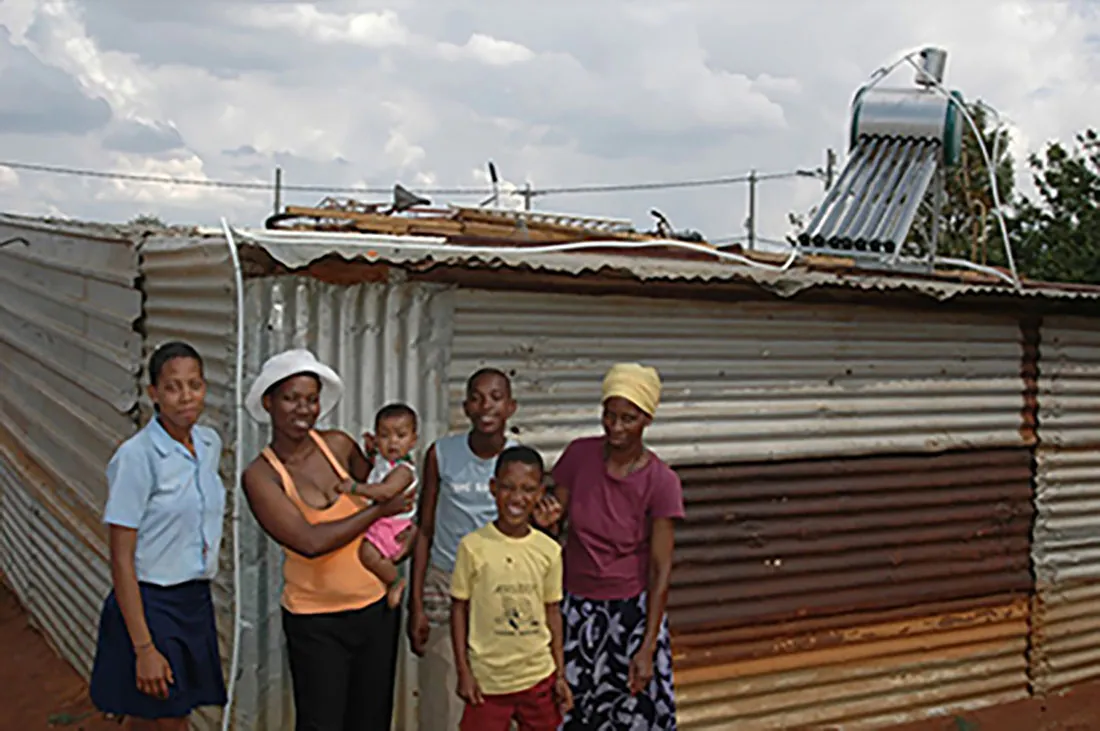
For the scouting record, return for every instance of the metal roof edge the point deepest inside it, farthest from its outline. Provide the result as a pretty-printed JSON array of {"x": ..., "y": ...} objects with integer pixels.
[{"x": 296, "y": 250}]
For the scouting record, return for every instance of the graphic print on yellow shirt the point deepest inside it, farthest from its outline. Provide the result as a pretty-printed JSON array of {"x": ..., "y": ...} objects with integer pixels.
[{"x": 508, "y": 582}]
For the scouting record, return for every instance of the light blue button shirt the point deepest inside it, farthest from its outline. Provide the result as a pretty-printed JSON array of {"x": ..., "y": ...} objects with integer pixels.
[{"x": 174, "y": 499}]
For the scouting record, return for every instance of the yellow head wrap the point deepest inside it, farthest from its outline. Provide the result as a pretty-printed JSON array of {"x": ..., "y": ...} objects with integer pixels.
[{"x": 638, "y": 384}]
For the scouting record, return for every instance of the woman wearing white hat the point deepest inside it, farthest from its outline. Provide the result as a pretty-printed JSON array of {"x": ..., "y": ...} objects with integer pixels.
[{"x": 341, "y": 634}]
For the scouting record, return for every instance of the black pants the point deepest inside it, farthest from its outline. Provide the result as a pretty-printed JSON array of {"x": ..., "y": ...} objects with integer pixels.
[{"x": 342, "y": 666}]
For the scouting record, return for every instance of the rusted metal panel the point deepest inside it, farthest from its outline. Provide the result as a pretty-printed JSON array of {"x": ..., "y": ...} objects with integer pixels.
[
  {"x": 851, "y": 593},
  {"x": 189, "y": 296},
  {"x": 388, "y": 341},
  {"x": 750, "y": 380},
  {"x": 1066, "y": 642},
  {"x": 1077, "y": 709},
  {"x": 69, "y": 362}
]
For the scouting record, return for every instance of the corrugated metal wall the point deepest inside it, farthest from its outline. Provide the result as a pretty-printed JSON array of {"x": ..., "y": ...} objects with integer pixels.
[
  {"x": 753, "y": 380},
  {"x": 864, "y": 591},
  {"x": 69, "y": 364},
  {"x": 857, "y": 591},
  {"x": 189, "y": 296},
  {"x": 1066, "y": 643},
  {"x": 857, "y": 479},
  {"x": 388, "y": 341}
]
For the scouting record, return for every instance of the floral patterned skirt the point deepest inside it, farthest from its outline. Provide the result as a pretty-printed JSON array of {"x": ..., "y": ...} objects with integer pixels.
[{"x": 601, "y": 636}]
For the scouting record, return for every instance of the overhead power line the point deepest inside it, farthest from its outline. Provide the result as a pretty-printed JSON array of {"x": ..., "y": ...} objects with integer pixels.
[
  {"x": 666, "y": 185},
  {"x": 207, "y": 183},
  {"x": 461, "y": 191}
]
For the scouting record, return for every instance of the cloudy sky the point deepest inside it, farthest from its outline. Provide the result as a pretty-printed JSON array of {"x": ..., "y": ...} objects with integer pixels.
[{"x": 354, "y": 93}]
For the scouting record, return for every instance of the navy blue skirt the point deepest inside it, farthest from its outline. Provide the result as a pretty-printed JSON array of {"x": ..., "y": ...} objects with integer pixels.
[{"x": 181, "y": 621}]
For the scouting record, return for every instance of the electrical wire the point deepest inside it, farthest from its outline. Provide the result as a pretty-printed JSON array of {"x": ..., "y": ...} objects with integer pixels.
[
  {"x": 315, "y": 238},
  {"x": 967, "y": 264},
  {"x": 208, "y": 183},
  {"x": 699, "y": 183},
  {"x": 238, "y": 471},
  {"x": 457, "y": 191},
  {"x": 990, "y": 167}
]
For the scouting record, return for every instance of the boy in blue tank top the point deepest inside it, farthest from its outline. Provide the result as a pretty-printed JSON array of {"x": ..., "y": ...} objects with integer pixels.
[{"x": 455, "y": 500}]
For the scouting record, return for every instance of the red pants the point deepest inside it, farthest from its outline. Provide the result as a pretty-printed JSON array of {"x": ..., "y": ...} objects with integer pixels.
[{"x": 534, "y": 709}]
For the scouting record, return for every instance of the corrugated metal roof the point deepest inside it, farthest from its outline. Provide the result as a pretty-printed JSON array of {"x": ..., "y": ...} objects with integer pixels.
[
  {"x": 1066, "y": 645},
  {"x": 299, "y": 249},
  {"x": 750, "y": 380},
  {"x": 69, "y": 362}
]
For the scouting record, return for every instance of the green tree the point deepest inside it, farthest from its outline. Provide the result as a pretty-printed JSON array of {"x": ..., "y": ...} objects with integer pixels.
[
  {"x": 1057, "y": 235},
  {"x": 148, "y": 220}
]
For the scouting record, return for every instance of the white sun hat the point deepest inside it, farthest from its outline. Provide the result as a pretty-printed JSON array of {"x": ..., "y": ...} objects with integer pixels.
[{"x": 292, "y": 363}]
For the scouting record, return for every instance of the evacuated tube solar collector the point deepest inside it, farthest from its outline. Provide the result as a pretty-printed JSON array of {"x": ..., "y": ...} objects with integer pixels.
[{"x": 901, "y": 142}]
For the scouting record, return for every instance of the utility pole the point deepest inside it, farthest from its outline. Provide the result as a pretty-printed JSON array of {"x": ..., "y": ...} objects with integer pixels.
[
  {"x": 278, "y": 189},
  {"x": 752, "y": 211},
  {"x": 527, "y": 196}
]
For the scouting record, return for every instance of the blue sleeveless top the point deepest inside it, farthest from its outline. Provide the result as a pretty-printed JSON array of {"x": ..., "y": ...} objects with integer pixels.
[{"x": 465, "y": 503}]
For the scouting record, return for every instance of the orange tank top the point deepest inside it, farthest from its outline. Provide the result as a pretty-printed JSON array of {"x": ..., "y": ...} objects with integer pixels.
[{"x": 337, "y": 581}]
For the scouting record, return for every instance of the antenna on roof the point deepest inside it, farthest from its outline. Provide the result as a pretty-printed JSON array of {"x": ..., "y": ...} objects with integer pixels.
[
  {"x": 902, "y": 142},
  {"x": 495, "y": 180}
]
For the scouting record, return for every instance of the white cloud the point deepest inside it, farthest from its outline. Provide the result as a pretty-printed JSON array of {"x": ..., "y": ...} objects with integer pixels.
[
  {"x": 369, "y": 29},
  {"x": 9, "y": 179},
  {"x": 188, "y": 167},
  {"x": 369, "y": 92},
  {"x": 112, "y": 76},
  {"x": 488, "y": 50},
  {"x": 403, "y": 153}
]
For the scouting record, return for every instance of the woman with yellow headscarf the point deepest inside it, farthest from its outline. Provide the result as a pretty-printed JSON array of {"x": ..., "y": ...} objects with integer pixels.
[{"x": 621, "y": 500}]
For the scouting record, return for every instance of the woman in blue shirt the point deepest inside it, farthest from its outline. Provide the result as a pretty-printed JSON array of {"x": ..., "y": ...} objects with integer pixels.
[{"x": 157, "y": 655}]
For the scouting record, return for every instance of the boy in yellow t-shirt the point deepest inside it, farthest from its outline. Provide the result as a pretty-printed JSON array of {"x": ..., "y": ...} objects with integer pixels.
[{"x": 505, "y": 619}]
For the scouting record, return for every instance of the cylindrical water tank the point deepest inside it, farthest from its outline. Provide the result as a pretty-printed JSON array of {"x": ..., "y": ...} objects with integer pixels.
[{"x": 920, "y": 113}]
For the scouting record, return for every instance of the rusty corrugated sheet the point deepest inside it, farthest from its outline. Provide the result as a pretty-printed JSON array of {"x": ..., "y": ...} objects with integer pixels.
[
  {"x": 189, "y": 296},
  {"x": 751, "y": 380},
  {"x": 388, "y": 341},
  {"x": 1066, "y": 641},
  {"x": 851, "y": 593},
  {"x": 69, "y": 362}
]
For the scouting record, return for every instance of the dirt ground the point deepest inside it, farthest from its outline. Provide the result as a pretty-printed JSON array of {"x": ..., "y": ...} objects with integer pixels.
[{"x": 38, "y": 690}]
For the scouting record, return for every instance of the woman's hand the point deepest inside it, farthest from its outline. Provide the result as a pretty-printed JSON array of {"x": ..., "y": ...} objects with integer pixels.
[
  {"x": 563, "y": 694},
  {"x": 398, "y": 504},
  {"x": 641, "y": 670},
  {"x": 548, "y": 511},
  {"x": 154, "y": 674},
  {"x": 468, "y": 689},
  {"x": 347, "y": 487},
  {"x": 369, "y": 443}
]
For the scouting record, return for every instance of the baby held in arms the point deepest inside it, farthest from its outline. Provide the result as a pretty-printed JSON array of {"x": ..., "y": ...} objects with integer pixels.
[{"x": 389, "y": 541}]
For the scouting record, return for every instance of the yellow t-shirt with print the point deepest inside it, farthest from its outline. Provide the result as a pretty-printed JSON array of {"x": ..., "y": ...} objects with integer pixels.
[{"x": 508, "y": 582}]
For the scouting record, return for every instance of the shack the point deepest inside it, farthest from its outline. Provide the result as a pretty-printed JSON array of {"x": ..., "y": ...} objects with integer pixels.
[{"x": 892, "y": 481}]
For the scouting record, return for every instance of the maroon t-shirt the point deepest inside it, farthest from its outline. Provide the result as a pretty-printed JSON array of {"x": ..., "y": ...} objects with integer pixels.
[{"x": 607, "y": 551}]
